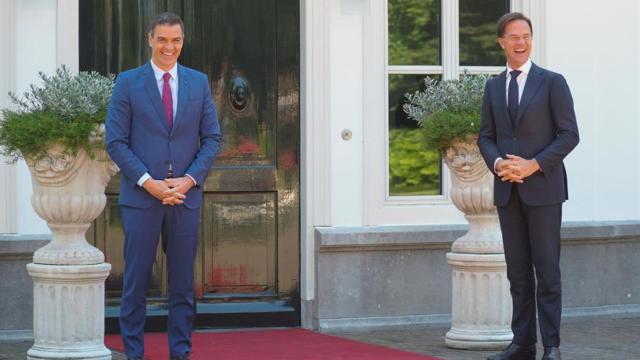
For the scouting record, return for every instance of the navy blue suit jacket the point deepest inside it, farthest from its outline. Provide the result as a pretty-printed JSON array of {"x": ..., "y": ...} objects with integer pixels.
[
  {"x": 545, "y": 129},
  {"x": 139, "y": 140}
]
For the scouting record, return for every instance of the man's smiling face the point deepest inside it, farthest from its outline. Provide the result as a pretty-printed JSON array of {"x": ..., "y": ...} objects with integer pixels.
[
  {"x": 166, "y": 43},
  {"x": 516, "y": 43}
]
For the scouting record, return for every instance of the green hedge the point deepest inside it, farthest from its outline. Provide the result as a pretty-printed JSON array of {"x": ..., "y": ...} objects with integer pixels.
[{"x": 413, "y": 168}]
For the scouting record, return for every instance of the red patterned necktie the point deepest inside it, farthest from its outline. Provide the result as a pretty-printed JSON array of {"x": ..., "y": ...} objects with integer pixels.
[{"x": 167, "y": 100}]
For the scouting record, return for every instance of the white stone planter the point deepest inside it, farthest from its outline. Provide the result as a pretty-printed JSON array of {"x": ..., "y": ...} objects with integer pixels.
[
  {"x": 68, "y": 273},
  {"x": 481, "y": 303}
]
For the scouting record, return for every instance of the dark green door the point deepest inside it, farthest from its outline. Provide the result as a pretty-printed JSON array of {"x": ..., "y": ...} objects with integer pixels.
[{"x": 247, "y": 271}]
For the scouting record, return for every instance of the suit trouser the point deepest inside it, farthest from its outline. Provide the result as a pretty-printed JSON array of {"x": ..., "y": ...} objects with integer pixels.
[
  {"x": 531, "y": 237},
  {"x": 142, "y": 228}
]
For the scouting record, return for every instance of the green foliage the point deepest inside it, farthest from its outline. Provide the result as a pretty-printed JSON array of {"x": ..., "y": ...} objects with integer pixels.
[
  {"x": 449, "y": 109},
  {"x": 413, "y": 32},
  {"x": 30, "y": 134},
  {"x": 66, "y": 109},
  {"x": 413, "y": 169},
  {"x": 478, "y": 45},
  {"x": 445, "y": 126}
]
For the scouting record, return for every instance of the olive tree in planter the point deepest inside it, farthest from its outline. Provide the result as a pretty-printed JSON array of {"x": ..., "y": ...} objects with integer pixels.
[
  {"x": 58, "y": 129},
  {"x": 449, "y": 113}
]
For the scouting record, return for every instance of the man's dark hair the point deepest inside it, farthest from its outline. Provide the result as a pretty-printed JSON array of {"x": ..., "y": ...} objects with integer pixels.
[
  {"x": 509, "y": 17},
  {"x": 167, "y": 18}
]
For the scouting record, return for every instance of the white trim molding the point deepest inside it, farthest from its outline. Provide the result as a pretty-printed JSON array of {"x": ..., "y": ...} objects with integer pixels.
[
  {"x": 416, "y": 69},
  {"x": 8, "y": 174},
  {"x": 450, "y": 38},
  {"x": 315, "y": 135}
]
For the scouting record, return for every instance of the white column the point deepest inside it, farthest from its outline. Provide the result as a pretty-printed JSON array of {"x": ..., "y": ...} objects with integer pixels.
[
  {"x": 315, "y": 182},
  {"x": 8, "y": 220},
  {"x": 35, "y": 51},
  {"x": 67, "y": 34}
]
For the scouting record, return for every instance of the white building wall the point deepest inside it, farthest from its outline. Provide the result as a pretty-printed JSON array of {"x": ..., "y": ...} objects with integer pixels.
[
  {"x": 35, "y": 51},
  {"x": 596, "y": 45},
  {"x": 596, "y": 60},
  {"x": 44, "y": 36},
  {"x": 346, "y": 110}
]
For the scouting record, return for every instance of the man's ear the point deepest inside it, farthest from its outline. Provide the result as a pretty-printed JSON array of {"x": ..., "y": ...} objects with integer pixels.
[
  {"x": 501, "y": 42},
  {"x": 149, "y": 38}
]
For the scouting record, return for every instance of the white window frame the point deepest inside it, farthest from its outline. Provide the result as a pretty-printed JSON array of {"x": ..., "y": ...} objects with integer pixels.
[{"x": 379, "y": 207}]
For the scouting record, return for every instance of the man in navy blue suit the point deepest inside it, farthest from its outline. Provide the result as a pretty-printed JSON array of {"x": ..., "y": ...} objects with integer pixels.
[
  {"x": 528, "y": 128},
  {"x": 162, "y": 131}
]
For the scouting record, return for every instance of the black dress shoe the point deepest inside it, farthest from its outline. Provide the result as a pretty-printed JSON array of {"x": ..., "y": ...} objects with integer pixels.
[
  {"x": 516, "y": 352},
  {"x": 551, "y": 353}
]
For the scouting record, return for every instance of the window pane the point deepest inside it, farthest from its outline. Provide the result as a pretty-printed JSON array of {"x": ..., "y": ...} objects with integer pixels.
[
  {"x": 414, "y": 32},
  {"x": 413, "y": 170},
  {"x": 478, "y": 45}
]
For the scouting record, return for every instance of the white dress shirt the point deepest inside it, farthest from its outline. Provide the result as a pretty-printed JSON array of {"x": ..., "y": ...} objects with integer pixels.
[
  {"x": 522, "y": 80},
  {"x": 173, "y": 84}
]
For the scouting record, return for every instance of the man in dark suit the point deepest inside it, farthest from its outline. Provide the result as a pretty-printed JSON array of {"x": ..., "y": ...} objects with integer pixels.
[
  {"x": 162, "y": 131},
  {"x": 528, "y": 128}
]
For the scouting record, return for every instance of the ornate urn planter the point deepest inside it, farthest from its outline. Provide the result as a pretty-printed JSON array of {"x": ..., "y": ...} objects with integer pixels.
[
  {"x": 68, "y": 273},
  {"x": 481, "y": 304}
]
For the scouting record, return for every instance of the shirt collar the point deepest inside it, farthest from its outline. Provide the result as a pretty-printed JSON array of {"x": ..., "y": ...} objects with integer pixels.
[
  {"x": 525, "y": 68},
  {"x": 158, "y": 73}
]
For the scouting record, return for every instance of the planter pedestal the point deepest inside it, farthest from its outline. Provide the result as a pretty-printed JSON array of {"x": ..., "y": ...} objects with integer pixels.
[
  {"x": 481, "y": 302},
  {"x": 68, "y": 273},
  {"x": 68, "y": 311},
  {"x": 481, "y": 308}
]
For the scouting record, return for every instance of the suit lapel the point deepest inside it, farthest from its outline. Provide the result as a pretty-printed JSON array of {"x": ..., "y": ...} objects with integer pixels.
[
  {"x": 534, "y": 80},
  {"x": 183, "y": 97},
  {"x": 151, "y": 87},
  {"x": 501, "y": 83}
]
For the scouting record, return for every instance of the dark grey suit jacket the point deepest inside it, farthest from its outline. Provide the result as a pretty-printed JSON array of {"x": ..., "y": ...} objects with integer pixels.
[{"x": 545, "y": 129}]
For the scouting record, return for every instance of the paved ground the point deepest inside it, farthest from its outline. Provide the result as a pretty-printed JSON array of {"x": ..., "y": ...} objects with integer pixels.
[{"x": 596, "y": 338}]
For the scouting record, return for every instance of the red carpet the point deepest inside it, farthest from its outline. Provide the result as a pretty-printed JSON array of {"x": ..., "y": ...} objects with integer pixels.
[{"x": 280, "y": 344}]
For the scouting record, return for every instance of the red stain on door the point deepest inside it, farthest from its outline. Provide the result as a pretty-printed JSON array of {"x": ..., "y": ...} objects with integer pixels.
[{"x": 229, "y": 276}]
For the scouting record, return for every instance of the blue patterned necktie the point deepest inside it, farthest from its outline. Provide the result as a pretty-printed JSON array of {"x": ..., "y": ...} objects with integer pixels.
[{"x": 513, "y": 96}]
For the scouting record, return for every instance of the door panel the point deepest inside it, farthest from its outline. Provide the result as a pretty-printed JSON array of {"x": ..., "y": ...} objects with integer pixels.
[
  {"x": 239, "y": 234},
  {"x": 248, "y": 250}
]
